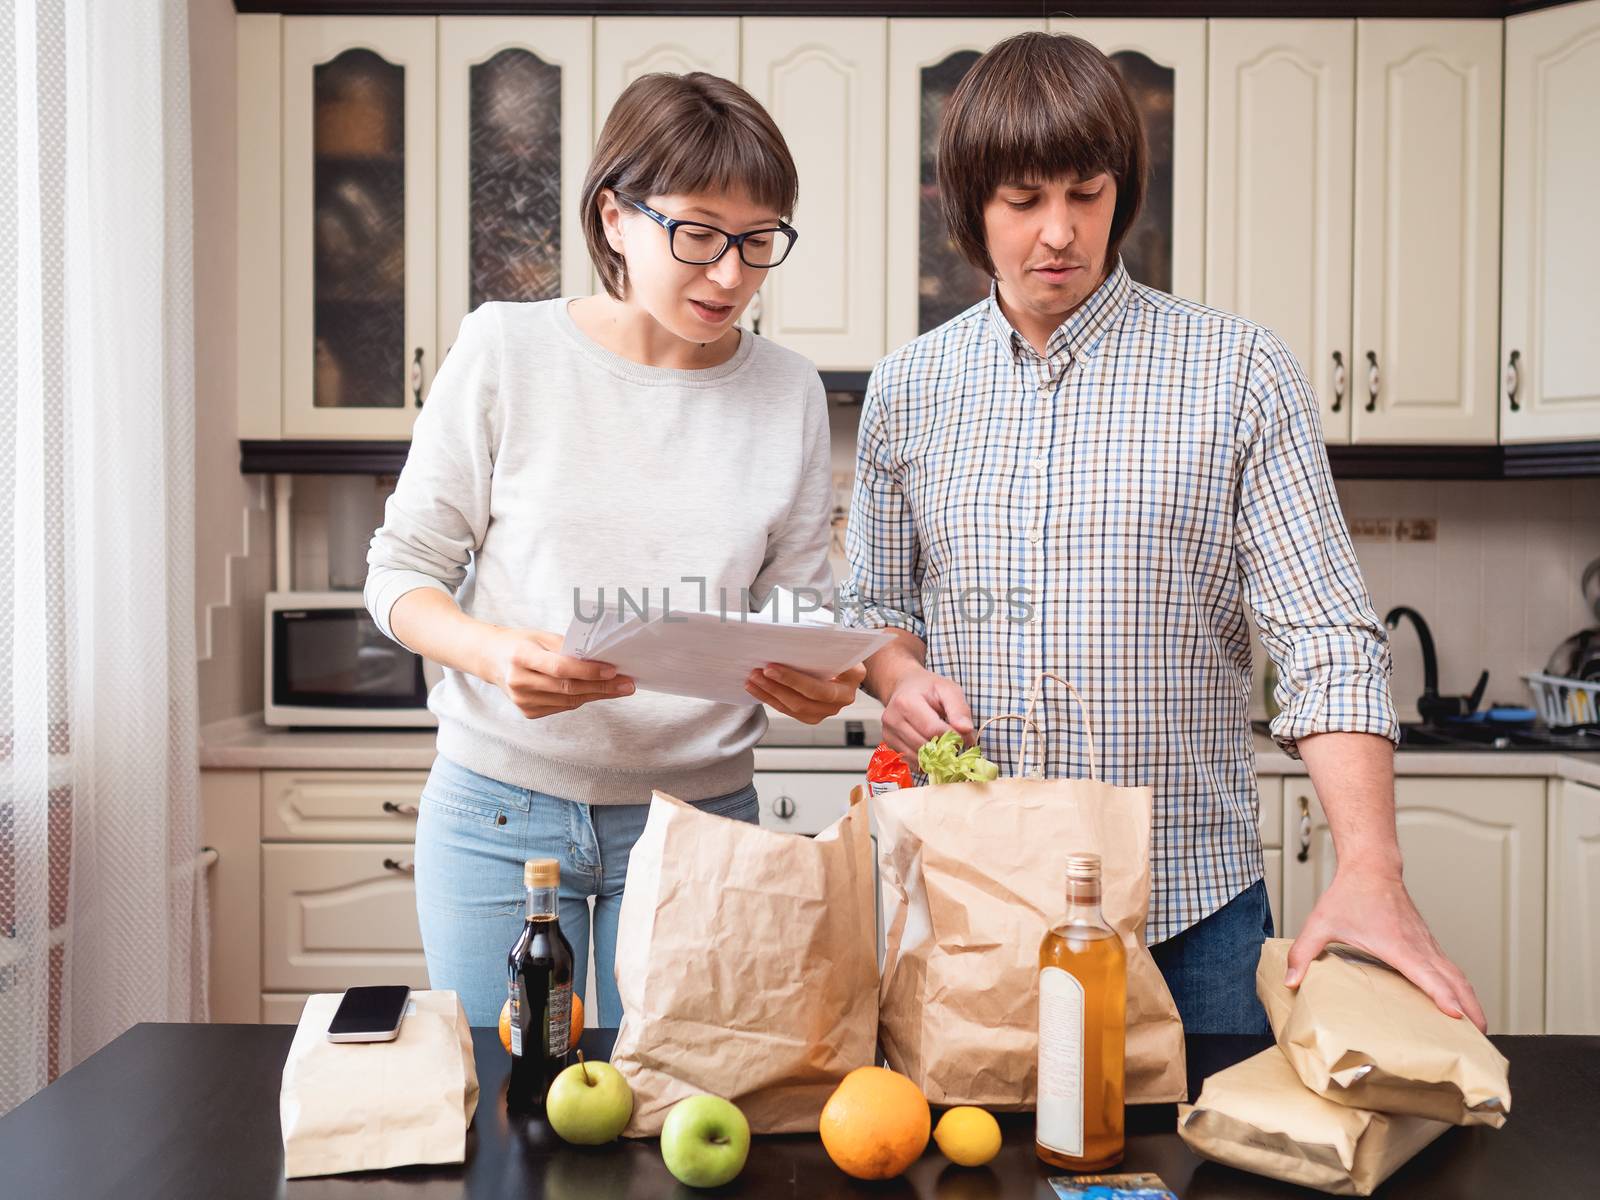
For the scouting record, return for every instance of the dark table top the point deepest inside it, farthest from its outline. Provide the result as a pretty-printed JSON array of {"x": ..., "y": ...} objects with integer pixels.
[{"x": 173, "y": 1111}]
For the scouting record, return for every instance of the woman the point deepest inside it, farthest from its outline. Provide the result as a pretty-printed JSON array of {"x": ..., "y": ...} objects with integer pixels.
[{"x": 635, "y": 439}]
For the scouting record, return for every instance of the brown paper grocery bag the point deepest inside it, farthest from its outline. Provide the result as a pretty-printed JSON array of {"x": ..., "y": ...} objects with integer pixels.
[
  {"x": 973, "y": 874},
  {"x": 1259, "y": 1117},
  {"x": 747, "y": 966},
  {"x": 367, "y": 1106},
  {"x": 1360, "y": 1033}
]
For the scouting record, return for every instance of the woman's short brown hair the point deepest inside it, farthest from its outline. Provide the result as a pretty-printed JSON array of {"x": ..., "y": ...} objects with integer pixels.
[
  {"x": 1037, "y": 106},
  {"x": 683, "y": 133}
]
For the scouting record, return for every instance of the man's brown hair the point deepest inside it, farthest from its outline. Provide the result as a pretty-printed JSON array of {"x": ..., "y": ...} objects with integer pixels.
[
  {"x": 683, "y": 133},
  {"x": 1037, "y": 106}
]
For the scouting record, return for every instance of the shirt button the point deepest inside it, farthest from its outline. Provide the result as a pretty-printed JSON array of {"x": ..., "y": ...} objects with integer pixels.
[
  {"x": 1040, "y": 463},
  {"x": 1034, "y": 534}
]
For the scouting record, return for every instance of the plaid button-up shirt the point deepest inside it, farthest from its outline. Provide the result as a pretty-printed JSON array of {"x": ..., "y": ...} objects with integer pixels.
[{"x": 1114, "y": 511}]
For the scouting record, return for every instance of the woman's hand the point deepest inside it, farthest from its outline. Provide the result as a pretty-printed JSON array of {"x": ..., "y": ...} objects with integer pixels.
[
  {"x": 528, "y": 666},
  {"x": 801, "y": 696}
]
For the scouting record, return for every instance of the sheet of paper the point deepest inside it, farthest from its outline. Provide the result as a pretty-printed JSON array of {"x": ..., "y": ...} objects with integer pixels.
[{"x": 709, "y": 655}]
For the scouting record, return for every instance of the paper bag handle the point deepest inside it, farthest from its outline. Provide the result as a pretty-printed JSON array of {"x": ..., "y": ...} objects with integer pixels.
[{"x": 1033, "y": 726}]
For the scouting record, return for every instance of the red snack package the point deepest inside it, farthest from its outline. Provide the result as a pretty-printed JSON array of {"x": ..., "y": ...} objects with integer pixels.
[{"x": 887, "y": 771}]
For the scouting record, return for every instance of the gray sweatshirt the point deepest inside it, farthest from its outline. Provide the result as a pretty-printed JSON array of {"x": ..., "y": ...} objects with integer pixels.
[{"x": 542, "y": 466}]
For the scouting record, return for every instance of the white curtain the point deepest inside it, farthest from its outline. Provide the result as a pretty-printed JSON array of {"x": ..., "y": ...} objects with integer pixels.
[{"x": 101, "y": 895}]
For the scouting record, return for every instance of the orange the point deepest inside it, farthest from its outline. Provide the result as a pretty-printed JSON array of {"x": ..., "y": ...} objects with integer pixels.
[
  {"x": 875, "y": 1124},
  {"x": 577, "y": 1022}
]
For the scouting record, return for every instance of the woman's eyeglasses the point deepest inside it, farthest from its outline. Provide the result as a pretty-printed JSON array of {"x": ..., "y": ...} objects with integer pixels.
[{"x": 701, "y": 245}]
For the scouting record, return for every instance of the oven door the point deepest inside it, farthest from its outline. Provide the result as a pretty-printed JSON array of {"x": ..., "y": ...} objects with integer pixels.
[{"x": 331, "y": 665}]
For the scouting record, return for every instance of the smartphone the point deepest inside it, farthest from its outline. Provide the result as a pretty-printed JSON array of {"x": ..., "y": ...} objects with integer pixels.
[{"x": 369, "y": 1014}]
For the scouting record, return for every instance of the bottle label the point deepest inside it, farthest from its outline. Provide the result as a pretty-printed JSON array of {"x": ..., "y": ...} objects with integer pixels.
[
  {"x": 516, "y": 1020},
  {"x": 1060, "y": 1112},
  {"x": 560, "y": 1019}
]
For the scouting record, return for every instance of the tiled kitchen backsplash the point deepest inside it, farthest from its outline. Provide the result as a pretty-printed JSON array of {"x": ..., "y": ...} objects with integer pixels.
[{"x": 1498, "y": 588}]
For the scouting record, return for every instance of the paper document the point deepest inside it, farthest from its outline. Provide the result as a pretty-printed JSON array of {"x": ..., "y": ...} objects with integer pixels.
[{"x": 709, "y": 655}]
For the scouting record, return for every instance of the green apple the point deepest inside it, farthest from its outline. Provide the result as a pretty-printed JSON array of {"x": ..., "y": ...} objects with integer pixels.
[
  {"x": 589, "y": 1103},
  {"x": 704, "y": 1141}
]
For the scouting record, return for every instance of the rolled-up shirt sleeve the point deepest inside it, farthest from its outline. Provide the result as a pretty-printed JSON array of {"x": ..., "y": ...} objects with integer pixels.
[
  {"x": 1299, "y": 570},
  {"x": 439, "y": 512},
  {"x": 882, "y": 588}
]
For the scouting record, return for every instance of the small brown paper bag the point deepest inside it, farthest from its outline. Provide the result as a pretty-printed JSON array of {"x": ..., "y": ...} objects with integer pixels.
[
  {"x": 1360, "y": 1033},
  {"x": 367, "y": 1106},
  {"x": 1258, "y": 1116},
  {"x": 973, "y": 876},
  {"x": 747, "y": 966}
]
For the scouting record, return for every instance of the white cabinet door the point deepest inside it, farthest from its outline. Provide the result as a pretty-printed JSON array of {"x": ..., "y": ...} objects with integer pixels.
[
  {"x": 335, "y": 916},
  {"x": 1573, "y": 961},
  {"x": 1163, "y": 64},
  {"x": 515, "y": 108},
  {"x": 824, "y": 84},
  {"x": 1427, "y": 231},
  {"x": 1550, "y": 307},
  {"x": 1474, "y": 864},
  {"x": 628, "y": 47},
  {"x": 929, "y": 282},
  {"x": 1278, "y": 199},
  {"x": 348, "y": 806},
  {"x": 1271, "y": 801},
  {"x": 359, "y": 213}
]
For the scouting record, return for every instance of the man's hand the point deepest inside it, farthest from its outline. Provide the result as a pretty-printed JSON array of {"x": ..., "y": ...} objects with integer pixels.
[
  {"x": 801, "y": 696},
  {"x": 921, "y": 707},
  {"x": 1373, "y": 912}
]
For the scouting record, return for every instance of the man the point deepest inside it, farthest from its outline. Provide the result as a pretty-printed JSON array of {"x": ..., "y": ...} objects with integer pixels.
[{"x": 1146, "y": 471}]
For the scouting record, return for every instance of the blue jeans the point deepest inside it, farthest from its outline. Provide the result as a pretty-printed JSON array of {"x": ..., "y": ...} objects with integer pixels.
[
  {"x": 473, "y": 836},
  {"x": 1210, "y": 967}
]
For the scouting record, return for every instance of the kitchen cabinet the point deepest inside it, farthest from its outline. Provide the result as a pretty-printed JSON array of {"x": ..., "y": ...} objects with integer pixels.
[
  {"x": 1572, "y": 996},
  {"x": 1271, "y": 800},
  {"x": 1365, "y": 237},
  {"x": 1163, "y": 64},
  {"x": 1427, "y": 226},
  {"x": 1279, "y": 195},
  {"x": 1474, "y": 853},
  {"x": 515, "y": 117},
  {"x": 824, "y": 82},
  {"x": 1550, "y": 369},
  {"x": 929, "y": 281},
  {"x": 628, "y": 47},
  {"x": 359, "y": 217}
]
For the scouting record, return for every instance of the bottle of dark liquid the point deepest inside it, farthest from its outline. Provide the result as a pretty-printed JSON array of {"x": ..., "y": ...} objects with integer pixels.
[{"x": 539, "y": 975}]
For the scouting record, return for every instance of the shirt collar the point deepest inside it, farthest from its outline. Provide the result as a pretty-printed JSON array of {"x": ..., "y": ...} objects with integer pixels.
[{"x": 1076, "y": 336}]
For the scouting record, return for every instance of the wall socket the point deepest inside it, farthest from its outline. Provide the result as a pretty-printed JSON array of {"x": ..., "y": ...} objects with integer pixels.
[{"x": 1394, "y": 529}]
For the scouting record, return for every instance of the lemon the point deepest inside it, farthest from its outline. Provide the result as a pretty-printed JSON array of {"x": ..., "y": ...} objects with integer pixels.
[{"x": 968, "y": 1136}]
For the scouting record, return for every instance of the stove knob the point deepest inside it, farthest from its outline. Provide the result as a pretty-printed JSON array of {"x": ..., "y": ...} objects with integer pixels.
[{"x": 783, "y": 808}]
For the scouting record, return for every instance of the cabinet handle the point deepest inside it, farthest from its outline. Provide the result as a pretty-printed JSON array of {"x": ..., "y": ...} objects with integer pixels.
[
  {"x": 416, "y": 376},
  {"x": 399, "y": 810},
  {"x": 1341, "y": 377},
  {"x": 1514, "y": 380},
  {"x": 1304, "y": 853},
  {"x": 783, "y": 808},
  {"x": 1372, "y": 381},
  {"x": 406, "y": 867}
]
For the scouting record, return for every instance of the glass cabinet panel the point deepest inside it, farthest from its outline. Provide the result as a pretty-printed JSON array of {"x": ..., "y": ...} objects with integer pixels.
[
  {"x": 1147, "y": 250},
  {"x": 947, "y": 283},
  {"x": 358, "y": 229},
  {"x": 514, "y": 152}
]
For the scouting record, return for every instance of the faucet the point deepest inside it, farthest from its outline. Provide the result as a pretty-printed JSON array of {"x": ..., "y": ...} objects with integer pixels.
[{"x": 1431, "y": 706}]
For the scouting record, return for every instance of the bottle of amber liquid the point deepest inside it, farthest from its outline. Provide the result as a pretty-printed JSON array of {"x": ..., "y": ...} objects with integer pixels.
[
  {"x": 1083, "y": 997},
  {"x": 539, "y": 976}
]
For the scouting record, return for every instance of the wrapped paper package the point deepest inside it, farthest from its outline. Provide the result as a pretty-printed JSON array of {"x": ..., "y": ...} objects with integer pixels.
[
  {"x": 747, "y": 966},
  {"x": 1259, "y": 1117},
  {"x": 1360, "y": 1033},
  {"x": 367, "y": 1106}
]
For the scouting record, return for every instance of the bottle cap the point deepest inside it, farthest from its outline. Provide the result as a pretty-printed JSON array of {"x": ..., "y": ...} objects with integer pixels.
[
  {"x": 1083, "y": 866},
  {"x": 541, "y": 873}
]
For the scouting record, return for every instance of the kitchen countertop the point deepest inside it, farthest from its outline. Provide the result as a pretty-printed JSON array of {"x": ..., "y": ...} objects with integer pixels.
[
  {"x": 176, "y": 1111},
  {"x": 246, "y": 743}
]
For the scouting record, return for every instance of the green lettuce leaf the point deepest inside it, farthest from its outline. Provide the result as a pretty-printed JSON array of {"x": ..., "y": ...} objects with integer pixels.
[{"x": 944, "y": 761}]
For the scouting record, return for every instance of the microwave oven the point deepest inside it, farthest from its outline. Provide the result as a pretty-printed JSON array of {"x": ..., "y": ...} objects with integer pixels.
[{"x": 328, "y": 664}]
